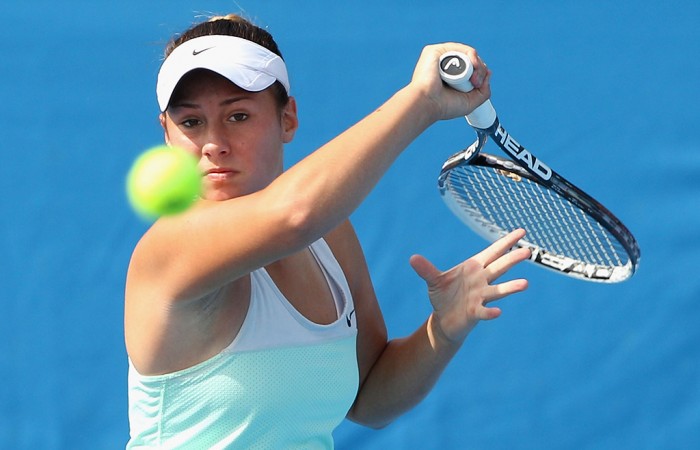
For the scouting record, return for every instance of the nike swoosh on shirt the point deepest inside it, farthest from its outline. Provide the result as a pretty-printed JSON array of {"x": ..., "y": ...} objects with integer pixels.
[{"x": 348, "y": 317}]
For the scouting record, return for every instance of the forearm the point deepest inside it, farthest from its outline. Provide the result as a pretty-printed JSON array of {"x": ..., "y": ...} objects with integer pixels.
[
  {"x": 336, "y": 178},
  {"x": 403, "y": 375}
]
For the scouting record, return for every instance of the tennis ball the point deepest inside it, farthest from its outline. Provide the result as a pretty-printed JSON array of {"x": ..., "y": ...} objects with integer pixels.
[{"x": 163, "y": 181}]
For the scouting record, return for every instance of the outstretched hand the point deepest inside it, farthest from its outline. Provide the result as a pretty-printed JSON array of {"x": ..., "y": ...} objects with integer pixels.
[{"x": 460, "y": 295}]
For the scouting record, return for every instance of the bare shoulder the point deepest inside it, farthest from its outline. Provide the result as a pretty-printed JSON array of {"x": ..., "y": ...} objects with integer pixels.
[
  {"x": 190, "y": 255},
  {"x": 347, "y": 250},
  {"x": 151, "y": 263},
  {"x": 164, "y": 331}
]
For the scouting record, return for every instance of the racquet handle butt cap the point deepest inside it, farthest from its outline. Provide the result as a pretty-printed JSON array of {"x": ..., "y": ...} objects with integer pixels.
[{"x": 455, "y": 71}]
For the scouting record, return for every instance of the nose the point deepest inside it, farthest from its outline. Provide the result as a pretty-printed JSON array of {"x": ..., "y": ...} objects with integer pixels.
[
  {"x": 214, "y": 150},
  {"x": 216, "y": 145}
]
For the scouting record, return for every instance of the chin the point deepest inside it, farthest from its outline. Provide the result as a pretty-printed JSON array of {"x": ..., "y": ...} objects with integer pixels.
[
  {"x": 222, "y": 194},
  {"x": 218, "y": 196}
]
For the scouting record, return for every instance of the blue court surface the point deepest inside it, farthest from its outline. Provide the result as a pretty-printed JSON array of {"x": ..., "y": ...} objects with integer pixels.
[{"x": 606, "y": 92}]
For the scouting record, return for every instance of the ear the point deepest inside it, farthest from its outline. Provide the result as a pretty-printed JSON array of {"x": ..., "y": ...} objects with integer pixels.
[
  {"x": 290, "y": 121},
  {"x": 162, "y": 119}
]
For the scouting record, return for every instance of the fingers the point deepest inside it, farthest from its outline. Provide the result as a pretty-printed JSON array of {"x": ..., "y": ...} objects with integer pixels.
[
  {"x": 504, "y": 263},
  {"x": 501, "y": 290},
  {"x": 498, "y": 259},
  {"x": 465, "y": 290},
  {"x": 499, "y": 248},
  {"x": 481, "y": 74},
  {"x": 489, "y": 313},
  {"x": 432, "y": 53},
  {"x": 495, "y": 260},
  {"x": 443, "y": 102},
  {"x": 425, "y": 269}
]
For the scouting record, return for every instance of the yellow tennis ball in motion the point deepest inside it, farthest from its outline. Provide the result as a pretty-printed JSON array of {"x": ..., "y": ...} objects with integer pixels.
[{"x": 163, "y": 181}]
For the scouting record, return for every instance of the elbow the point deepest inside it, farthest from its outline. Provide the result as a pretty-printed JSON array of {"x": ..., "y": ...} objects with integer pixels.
[
  {"x": 369, "y": 424},
  {"x": 379, "y": 425},
  {"x": 300, "y": 221},
  {"x": 366, "y": 419}
]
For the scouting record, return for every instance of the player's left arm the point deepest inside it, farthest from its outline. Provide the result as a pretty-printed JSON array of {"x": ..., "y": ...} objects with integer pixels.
[{"x": 396, "y": 375}]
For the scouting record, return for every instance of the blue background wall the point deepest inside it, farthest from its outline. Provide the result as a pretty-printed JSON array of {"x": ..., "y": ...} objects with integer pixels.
[{"x": 605, "y": 92}]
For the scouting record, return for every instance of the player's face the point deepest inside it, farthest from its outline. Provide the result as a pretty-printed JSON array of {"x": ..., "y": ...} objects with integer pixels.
[{"x": 236, "y": 135}]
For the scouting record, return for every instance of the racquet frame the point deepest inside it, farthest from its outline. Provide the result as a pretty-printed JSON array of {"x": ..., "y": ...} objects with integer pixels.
[
  {"x": 524, "y": 164},
  {"x": 533, "y": 169}
]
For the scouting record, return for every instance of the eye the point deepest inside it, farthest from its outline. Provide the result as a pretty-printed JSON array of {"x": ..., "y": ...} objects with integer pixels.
[
  {"x": 238, "y": 117},
  {"x": 190, "y": 123}
]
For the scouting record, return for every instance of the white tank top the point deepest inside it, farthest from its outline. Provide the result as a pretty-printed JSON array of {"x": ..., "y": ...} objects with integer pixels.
[{"x": 284, "y": 381}]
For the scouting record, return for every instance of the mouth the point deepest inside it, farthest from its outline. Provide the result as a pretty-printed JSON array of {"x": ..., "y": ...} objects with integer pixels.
[{"x": 219, "y": 173}]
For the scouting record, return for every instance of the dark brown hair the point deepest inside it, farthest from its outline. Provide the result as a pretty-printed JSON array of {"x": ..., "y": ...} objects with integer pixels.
[{"x": 233, "y": 25}]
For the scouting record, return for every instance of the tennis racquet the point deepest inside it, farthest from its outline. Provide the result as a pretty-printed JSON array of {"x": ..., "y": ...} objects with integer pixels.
[{"x": 568, "y": 231}]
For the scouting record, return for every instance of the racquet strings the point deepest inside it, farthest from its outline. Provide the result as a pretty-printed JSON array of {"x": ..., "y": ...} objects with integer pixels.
[{"x": 495, "y": 201}]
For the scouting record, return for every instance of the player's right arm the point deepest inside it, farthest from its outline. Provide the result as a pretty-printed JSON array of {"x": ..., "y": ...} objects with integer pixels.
[{"x": 214, "y": 243}]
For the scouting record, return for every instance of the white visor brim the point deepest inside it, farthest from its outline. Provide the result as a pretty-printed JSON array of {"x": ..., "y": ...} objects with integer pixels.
[{"x": 246, "y": 64}]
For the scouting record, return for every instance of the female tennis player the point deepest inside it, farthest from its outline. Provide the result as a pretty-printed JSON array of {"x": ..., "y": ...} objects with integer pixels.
[{"x": 251, "y": 320}]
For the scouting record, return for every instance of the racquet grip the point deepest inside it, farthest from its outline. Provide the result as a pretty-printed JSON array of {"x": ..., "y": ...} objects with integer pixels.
[{"x": 455, "y": 71}]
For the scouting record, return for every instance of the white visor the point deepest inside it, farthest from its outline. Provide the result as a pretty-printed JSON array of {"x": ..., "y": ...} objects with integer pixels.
[{"x": 246, "y": 64}]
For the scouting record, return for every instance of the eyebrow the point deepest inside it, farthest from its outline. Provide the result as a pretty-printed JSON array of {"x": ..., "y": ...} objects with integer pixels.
[{"x": 225, "y": 102}]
